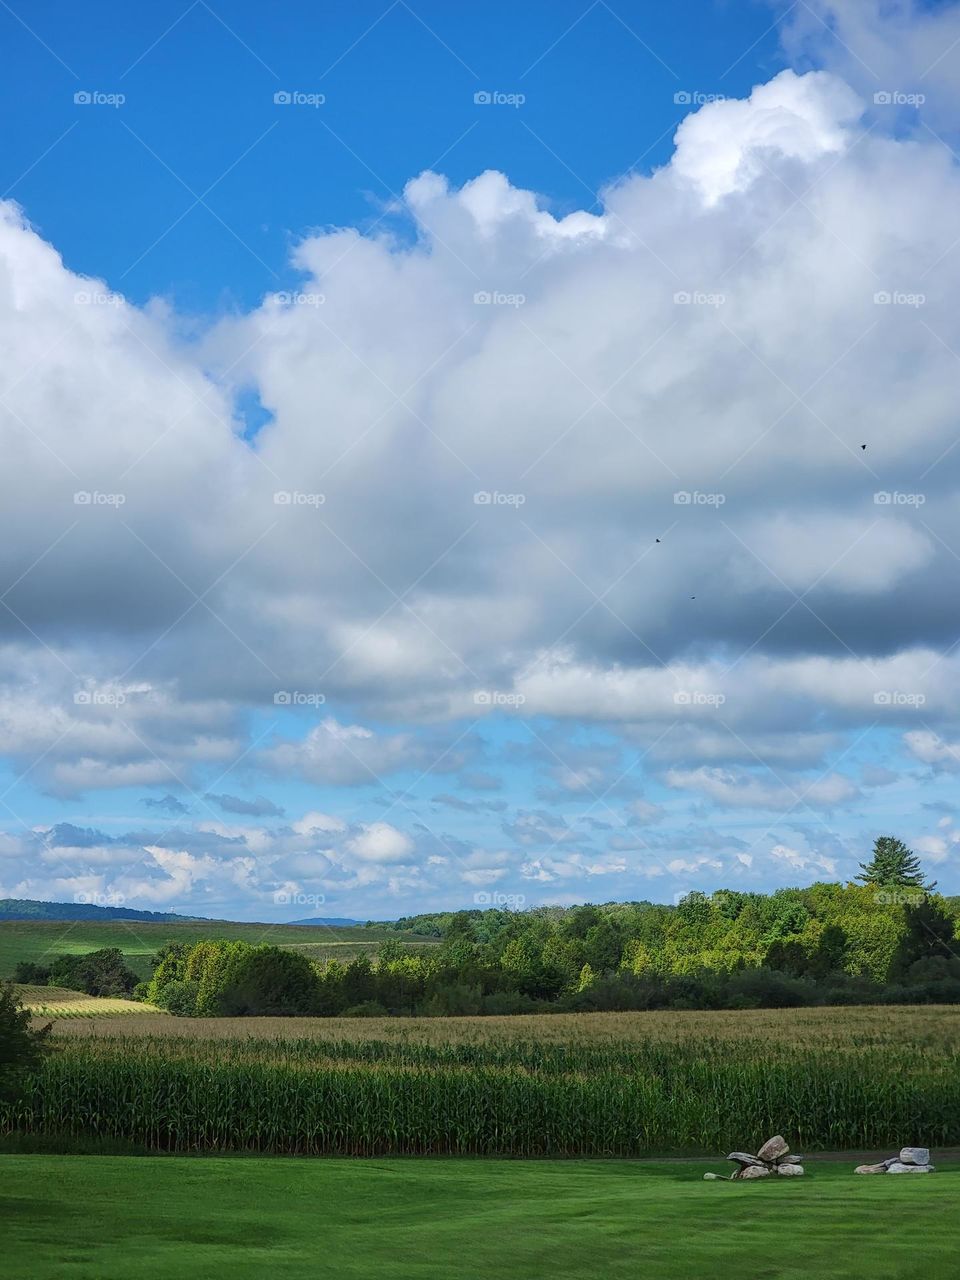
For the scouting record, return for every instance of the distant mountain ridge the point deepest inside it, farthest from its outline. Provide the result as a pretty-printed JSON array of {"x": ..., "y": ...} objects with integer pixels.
[
  {"x": 340, "y": 922},
  {"x": 32, "y": 909}
]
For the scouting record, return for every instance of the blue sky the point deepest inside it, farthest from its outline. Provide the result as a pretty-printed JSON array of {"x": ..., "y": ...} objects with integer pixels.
[
  {"x": 399, "y": 84},
  {"x": 434, "y": 440}
]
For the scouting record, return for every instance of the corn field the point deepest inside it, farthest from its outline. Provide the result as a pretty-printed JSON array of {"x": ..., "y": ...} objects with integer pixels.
[
  {"x": 360, "y": 1096},
  {"x": 59, "y": 1002}
]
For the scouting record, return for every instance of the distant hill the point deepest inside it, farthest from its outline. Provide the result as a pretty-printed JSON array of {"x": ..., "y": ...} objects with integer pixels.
[
  {"x": 38, "y": 940},
  {"x": 339, "y": 922},
  {"x": 30, "y": 909}
]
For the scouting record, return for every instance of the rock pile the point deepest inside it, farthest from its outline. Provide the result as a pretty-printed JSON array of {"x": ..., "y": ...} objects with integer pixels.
[
  {"x": 910, "y": 1160},
  {"x": 773, "y": 1157}
]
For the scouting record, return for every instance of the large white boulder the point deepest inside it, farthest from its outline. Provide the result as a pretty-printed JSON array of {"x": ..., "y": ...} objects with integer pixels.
[
  {"x": 914, "y": 1155},
  {"x": 773, "y": 1149}
]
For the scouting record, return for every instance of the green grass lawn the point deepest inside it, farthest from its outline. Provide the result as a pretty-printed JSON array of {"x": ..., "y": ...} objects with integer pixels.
[
  {"x": 43, "y": 940},
  {"x": 150, "y": 1218}
]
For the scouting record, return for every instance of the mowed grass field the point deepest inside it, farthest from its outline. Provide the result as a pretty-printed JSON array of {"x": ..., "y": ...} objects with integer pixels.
[
  {"x": 128, "y": 1218},
  {"x": 42, "y": 940}
]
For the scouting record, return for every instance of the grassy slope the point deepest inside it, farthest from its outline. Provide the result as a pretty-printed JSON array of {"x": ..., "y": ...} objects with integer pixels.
[
  {"x": 105, "y": 1217},
  {"x": 42, "y": 940}
]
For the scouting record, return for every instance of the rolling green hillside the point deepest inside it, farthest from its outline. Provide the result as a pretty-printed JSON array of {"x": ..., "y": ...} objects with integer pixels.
[{"x": 42, "y": 940}]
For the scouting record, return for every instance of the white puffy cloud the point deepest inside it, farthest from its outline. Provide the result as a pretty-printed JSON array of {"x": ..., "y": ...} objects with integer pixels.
[
  {"x": 547, "y": 869},
  {"x": 400, "y": 395},
  {"x": 380, "y": 842},
  {"x": 740, "y": 790},
  {"x": 932, "y": 749},
  {"x": 727, "y": 145},
  {"x": 483, "y": 875},
  {"x": 700, "y": 362},
  {"x": 346, "y": 754},
  {"x": 688, "y": 866},
  {"x": 315, "y": 823},
  {"x": 800, "y": 861},
  {"x": 896, "y": 49}
]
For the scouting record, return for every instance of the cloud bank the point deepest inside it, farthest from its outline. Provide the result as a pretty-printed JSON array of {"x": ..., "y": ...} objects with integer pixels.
[{"x": 649, "y": 515}]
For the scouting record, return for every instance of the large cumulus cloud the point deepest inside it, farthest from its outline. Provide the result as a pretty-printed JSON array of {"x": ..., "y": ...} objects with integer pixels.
[{"x": 606, "y": 469}]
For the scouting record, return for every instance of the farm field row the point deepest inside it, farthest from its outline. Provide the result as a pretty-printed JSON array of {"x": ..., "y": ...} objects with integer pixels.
[
  {"x": 63, "y": 1006},
  {"x": 517, "y": 1220},
  {"x": 856, "y": 1027},
  {"x": 621, "y": 1085}
]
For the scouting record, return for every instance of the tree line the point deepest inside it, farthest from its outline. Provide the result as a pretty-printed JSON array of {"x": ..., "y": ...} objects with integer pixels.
[{"x": 888, "y": 938}]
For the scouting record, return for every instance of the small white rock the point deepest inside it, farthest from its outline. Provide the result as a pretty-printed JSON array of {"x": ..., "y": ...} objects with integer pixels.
[{"x": 899, "y": 1167}]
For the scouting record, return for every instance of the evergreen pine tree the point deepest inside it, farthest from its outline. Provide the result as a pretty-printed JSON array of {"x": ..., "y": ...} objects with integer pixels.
[{"x": 893, "y": 866}]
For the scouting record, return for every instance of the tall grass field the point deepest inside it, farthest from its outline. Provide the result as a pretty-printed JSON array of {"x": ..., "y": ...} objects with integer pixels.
[{"x": 551, "y": 1086}]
